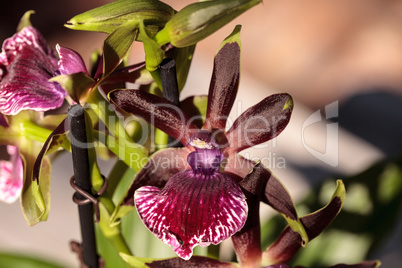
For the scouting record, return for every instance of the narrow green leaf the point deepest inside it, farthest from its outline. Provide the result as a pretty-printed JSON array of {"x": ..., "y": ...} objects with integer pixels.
[
  {"x": 199, "y": 20},
  {"x": 108, "y": 17},
  {"x": 117, "y": 45}
]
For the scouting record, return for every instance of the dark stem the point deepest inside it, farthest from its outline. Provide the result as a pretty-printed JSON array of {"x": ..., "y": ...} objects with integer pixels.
[
  {"x": 82, "y": 177},
  {"x": 170, "y": 89}
]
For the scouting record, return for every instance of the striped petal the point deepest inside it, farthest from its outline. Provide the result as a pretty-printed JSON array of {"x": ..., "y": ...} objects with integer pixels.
[
  {"x": 193, "y": 209},
  {"x": 70, "y": 61},
  {"x": 26, "y": 65}
]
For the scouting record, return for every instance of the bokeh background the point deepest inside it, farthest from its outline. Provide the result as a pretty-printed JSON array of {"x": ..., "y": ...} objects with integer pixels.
[{"x": 341, "y": 60}]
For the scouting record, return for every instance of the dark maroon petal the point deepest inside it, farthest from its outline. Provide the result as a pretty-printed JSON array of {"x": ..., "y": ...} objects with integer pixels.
[
  {"x": 158, "y": 170},
  {"x": 247, "y": 242},
  {"x": 157, "y": 111},
  {"x": 365, "y": 264},
  {"x": 70, "y": 61},
  {"x": 289, "y": 241},
  {"x": 194, "y": 262},
  {"x": 223, "y": 87},
  {"x": 261, "y": 122},
  {"x": 238, "y": 166},
  {"x": 193, "y": 209},
  {"x": 26, "y": 66},
  {"x": 261, "y": 182}
]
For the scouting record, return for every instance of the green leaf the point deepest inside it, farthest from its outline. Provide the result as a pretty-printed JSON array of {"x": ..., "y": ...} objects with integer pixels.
[
  {"x": 8, "y": 260},
  {"x": 108, "y": 17},
  {"x": 199, "y": 20},
  {"x": 76, "y": 85},
  {"x": 25, "y": 20},
  {"x": 117, "y": 45}
]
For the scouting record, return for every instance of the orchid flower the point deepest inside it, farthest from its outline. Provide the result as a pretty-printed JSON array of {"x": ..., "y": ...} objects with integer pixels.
[
  {"x": 26, "y": 65},
  {"x": 201, "y": 202}
]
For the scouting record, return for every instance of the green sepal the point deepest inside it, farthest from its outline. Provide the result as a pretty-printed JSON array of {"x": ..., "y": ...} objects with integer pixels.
[
  {"x": 35, "y": 199},
  {"x": 108, "y": 17},
  {"x": 153, "y": 53},
  {"x": 117, "y": 45},
  {"x": 199, "y": 20},
  {"x": 76, "y": 85},
  {"x": 25, "y": 20}
]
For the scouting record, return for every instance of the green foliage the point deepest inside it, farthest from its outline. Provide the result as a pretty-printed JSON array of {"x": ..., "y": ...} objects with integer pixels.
[
  {"x": 107, "y": 18},
  {"x": 9, "y": 260}
]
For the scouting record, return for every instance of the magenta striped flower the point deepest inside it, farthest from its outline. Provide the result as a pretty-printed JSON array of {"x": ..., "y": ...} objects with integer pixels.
[
  {"x": 26, "y": 65},
  {"x": 201, "y": 201}
]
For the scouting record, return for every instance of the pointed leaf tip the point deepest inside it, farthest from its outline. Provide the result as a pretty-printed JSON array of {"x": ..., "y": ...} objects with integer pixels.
[
  {"x": 289, "y": 103},
  {"x": 25, "y": 20},
  {"x": 234, "y": 37}
]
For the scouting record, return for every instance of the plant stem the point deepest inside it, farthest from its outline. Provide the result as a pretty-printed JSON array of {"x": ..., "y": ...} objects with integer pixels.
[
  {"x": 170, "y": 89},
  {"x": 76, "y": 116}
]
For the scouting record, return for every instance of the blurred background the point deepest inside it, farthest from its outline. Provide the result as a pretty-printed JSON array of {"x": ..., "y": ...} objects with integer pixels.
[{"x": 342, "y": 63}]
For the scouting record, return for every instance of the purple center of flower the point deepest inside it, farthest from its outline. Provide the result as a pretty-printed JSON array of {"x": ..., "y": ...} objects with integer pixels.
[{"x": 207, "y": 157}]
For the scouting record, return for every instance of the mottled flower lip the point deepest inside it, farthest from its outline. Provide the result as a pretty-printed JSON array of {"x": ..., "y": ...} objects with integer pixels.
[
  {"x": 27, "y": 63},
  {"x": 11, "y": 176},
  {"x": 212, "y": 207}
]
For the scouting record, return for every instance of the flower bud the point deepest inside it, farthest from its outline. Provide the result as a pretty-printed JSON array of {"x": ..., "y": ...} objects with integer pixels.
[
  {"x": 197, "y": 21},
  {"x": 107, "y": 18}
]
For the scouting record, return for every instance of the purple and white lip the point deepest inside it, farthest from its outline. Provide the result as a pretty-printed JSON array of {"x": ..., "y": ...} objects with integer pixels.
[{"x": 199, "y": 206}]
